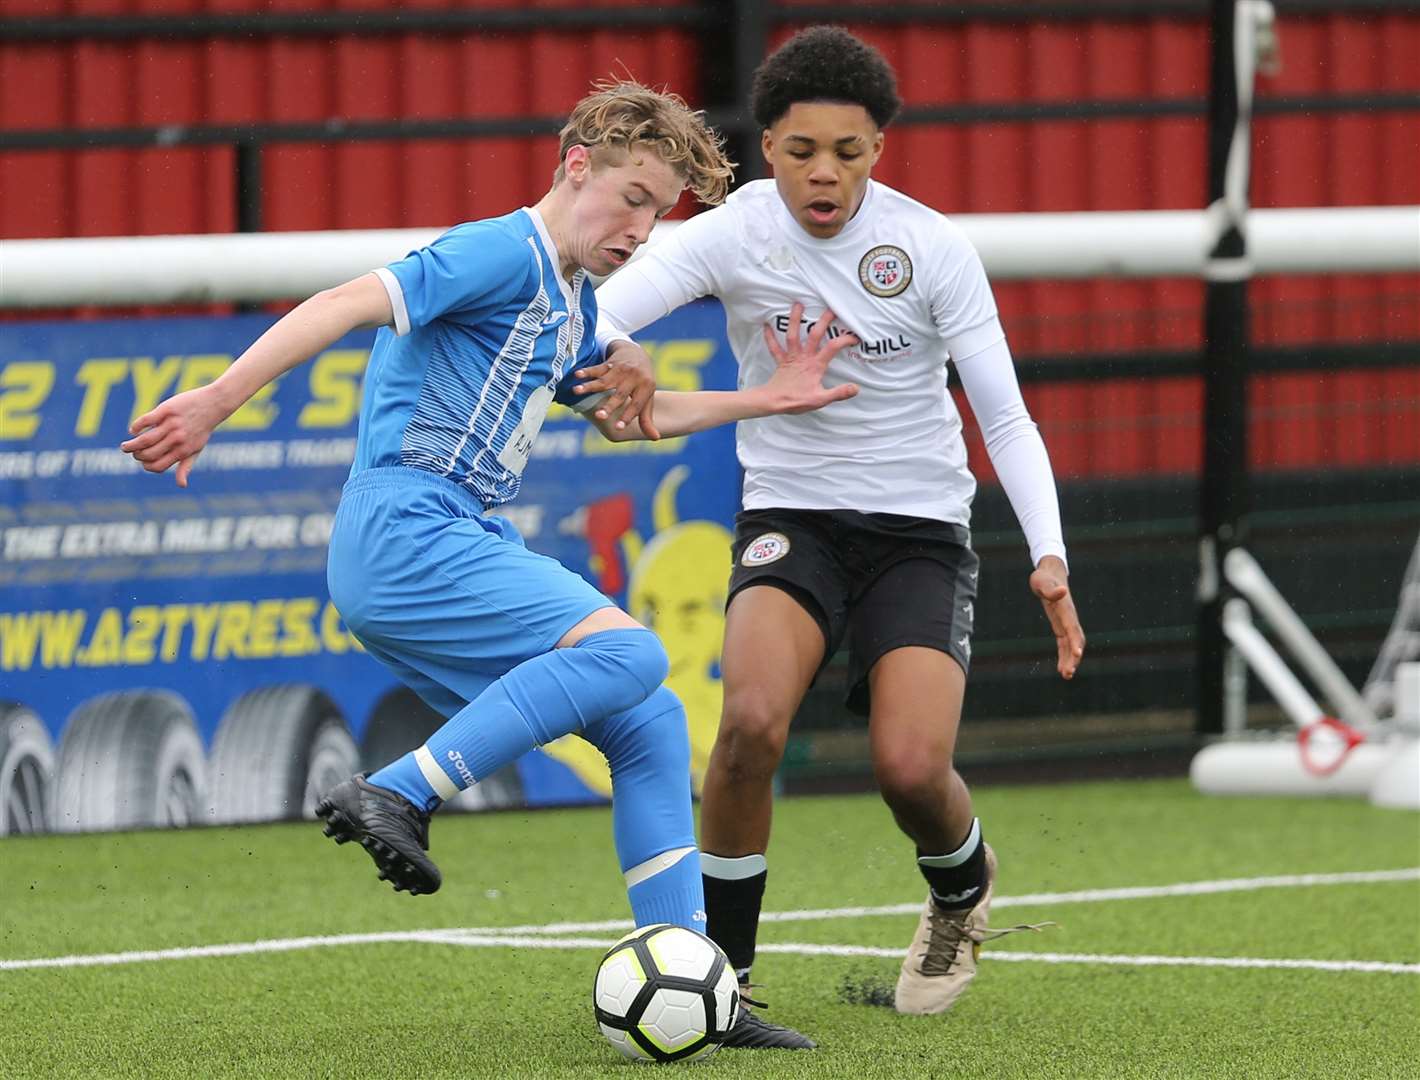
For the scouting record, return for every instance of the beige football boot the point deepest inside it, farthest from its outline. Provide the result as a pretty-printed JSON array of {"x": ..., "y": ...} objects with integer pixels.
[{"x": 941, "y": 961}]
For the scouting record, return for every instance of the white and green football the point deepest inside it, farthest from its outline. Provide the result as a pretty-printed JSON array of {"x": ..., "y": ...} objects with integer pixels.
[{"x": 665, "y": 993}]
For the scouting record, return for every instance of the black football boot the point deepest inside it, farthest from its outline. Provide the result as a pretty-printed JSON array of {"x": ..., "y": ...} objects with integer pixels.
[
  {"x": 392, "y": 829},
  {"x": 754, "y": 1032}
]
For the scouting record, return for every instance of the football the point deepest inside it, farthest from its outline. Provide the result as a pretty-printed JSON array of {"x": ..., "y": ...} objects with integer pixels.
[{"x": 665, "y": 993}]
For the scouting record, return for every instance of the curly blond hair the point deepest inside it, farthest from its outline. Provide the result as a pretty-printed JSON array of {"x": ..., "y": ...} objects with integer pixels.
[{"x": 619, "y": 115}]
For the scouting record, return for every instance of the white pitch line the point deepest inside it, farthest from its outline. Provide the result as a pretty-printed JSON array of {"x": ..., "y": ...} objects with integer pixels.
[
  {"x": 1380, "y": 966},
  {"x": 242, "y": 948},
  {"x": 544, "y": 935},
  {"x": 1094, "y": 896},
  {"x": 1086, "y": 896},
  {"x": 1202, "y": 888},
  {"x": 800, "y": 949}
]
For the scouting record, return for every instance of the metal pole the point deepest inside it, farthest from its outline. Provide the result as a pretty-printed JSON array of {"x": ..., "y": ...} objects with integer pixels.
[
  {"x": 248, "y": 185},
  {"x": 1224, "y": 495},
  {"x": 248, "y": 193},
  {"x": 751, "y": 43}
]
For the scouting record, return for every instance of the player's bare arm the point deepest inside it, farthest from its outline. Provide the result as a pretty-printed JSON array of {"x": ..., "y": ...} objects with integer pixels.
[
  {"x": 1051, "y": 582},
  {"x": 795, "y": 387},
  {"x": 175, "y": 432}
]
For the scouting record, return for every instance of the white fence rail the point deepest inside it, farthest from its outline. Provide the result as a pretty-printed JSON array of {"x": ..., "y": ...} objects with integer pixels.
[{"x": 254, "y": 267}]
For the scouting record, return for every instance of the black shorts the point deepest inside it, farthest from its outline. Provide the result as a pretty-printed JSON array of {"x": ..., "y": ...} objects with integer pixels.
[{"x": 882, "y": 581}]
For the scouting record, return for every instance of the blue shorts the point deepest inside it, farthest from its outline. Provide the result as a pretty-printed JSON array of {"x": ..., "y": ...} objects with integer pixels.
[{"x": 446, "y": 596}]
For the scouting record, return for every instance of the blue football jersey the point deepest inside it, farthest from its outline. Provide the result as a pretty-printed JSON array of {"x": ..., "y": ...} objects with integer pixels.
[{"x": 485, "y": 330}]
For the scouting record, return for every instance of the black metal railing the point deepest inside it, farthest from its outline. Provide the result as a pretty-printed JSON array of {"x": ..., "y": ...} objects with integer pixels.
[
  {"x": 169, "y": 136},
  {"x": 733, "y": 30}
]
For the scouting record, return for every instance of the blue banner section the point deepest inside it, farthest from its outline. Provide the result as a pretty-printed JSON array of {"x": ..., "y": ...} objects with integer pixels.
[{"x": 134, "y": 609}]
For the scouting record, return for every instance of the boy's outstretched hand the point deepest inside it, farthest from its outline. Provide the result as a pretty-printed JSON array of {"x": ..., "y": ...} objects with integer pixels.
[
  {"x": 175, "y": 432},
  {"x": 797, "y": 382}
]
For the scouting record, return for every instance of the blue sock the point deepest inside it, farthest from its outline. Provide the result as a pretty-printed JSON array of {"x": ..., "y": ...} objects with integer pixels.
[
  {"x": 648, "y": 749},
  {"x": 671, "y": 893},
  {"x": 539, "y": 700}
]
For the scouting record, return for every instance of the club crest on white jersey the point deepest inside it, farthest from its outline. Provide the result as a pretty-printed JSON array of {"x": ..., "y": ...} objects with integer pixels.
[
  {"x": 771, "y": 547},
  {"x": 885, "y": 270}
]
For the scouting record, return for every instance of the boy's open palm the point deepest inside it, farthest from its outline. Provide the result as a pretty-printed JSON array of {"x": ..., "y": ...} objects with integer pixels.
[{"x": 797, "y": 382}]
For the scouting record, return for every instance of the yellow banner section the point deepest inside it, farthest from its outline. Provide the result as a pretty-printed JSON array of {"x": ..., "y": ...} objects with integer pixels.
[
  {"x": 332, "y": 394},
  {"x": 166, "y": 633},
  {"x": 330, "y": 398}
]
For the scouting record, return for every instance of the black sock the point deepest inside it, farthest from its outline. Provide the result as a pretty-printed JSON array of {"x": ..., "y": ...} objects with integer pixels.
[
  {"x": 958, "y": 878},
  {"x": 734, "y": 891}
]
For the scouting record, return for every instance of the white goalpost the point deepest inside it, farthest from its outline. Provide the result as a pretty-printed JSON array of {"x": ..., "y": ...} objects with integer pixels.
[{"x": 262, "y": 267}]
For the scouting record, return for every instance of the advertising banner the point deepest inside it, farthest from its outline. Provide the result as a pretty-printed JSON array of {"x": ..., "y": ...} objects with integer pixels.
[{"x": 170, "y": 656}]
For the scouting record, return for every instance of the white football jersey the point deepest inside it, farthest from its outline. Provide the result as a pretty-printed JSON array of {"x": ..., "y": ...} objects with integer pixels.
[{"x": 899, "y": 276}]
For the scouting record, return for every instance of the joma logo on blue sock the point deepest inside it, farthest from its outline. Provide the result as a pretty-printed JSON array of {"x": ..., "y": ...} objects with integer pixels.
[{"x": 461, "y": 767}]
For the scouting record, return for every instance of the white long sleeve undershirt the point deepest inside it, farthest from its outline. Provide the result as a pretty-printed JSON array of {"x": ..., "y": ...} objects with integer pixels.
[{"x": 1014, "y": 445}]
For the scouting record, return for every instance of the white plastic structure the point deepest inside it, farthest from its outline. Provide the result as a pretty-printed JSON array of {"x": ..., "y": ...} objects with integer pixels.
[
  {"x": 1402, "y": 644},
  {"x": 1398, "y": 785},
  {"x": 1274, "y": 767},
  {"x": 1246, "y": 576},
  {"x": 257, "y": 267},
  {"x": 1280, "y": 766},
  {"x": 1301, "y": 708},
  {"x": 1325, "y": 758}
]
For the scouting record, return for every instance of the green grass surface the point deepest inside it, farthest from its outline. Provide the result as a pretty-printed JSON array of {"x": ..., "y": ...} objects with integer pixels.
[{"x": 439, "y": 1010}]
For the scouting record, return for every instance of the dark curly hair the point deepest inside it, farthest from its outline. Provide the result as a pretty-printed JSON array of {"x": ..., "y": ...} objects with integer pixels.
[{"x": 824, "y": 63}]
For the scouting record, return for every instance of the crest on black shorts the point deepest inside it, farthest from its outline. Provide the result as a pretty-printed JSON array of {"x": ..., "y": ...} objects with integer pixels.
[
  {"x": 771, "y": 547},
  {"x": 885, "y": 271}
]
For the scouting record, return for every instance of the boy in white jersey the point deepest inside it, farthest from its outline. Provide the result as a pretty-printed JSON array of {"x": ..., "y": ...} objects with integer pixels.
[
  {"x": 855, "y": 520},
  {"x": 478, "y": 332}
]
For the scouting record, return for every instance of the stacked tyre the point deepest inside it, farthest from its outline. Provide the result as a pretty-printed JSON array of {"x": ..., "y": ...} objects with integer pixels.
[
  {"x": 276, "y": 752},
  {"x": 134, "y": 759},
  {"x": 130, "y": 760},
  {"x": 26, "y": 771}
]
